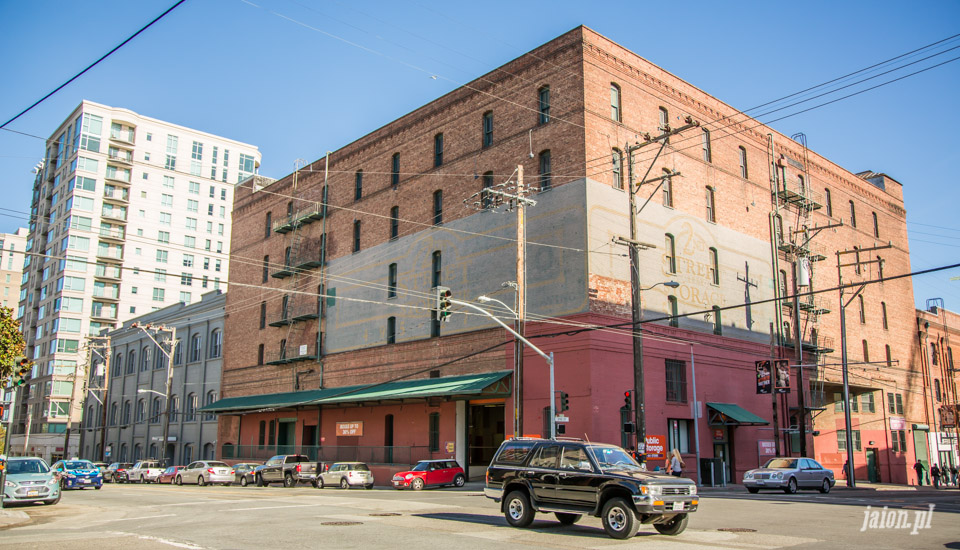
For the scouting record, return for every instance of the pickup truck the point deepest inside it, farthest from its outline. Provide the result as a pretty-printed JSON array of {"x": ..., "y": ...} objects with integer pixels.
[
  {"x": 286, "y": 469},
  {"x": 571, "y": 478},
  {"x": 144, "y": 471}
]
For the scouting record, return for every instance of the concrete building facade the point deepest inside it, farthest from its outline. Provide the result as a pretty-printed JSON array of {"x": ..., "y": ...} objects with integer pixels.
[
  {"x": 11, "y": 266},
  {"x": 346, "y": 254},
  {"x": 132, "y": 385},
  {"x": 129, "y": 214}
]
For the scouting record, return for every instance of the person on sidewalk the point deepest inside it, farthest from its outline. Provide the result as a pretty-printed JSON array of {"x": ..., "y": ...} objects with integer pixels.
[
  {"x": 676, "y": 464},
  {"x": 953, "y": 473},
  {"x": 935, "y": 474},
  {"x": 918, "y": 467}
]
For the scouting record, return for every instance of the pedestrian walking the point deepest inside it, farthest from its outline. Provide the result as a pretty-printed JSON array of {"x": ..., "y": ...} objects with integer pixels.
[
  {"x": 918, "y": 467},
  {"x": 935, "y": 474},
  {"x": 953, "y": 473},
  {"x": 676, "y": 464}
]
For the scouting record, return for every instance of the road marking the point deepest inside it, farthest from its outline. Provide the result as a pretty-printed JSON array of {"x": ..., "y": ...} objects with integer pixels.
[
  {"x": 140, "y": 517},
  {"x": 269, "y": 507},
  {"x": 186, "y": 545}
]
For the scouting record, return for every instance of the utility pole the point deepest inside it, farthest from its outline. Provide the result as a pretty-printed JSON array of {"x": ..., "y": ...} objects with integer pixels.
[
  {"x": 773, "y": 388},
  {"x": 857, "y": 263},
  {"x": 798, "y": 347},
  {"x": 515, "y": 196},
  {"x": 635, "y": 246},
  {"x": 170, "y": 355},
  {"x": 106, "y": 386},
  {"x": 73, "y": 394}
]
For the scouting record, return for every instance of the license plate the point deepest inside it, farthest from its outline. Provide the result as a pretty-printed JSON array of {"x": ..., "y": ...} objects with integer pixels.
[
  {"x": 395, "y": 482},
  {"x": 677, "y": 506},
  {"x": 761, "y": 482},
  {"x": 84, "y": 481},
  {"x": 33, "y": 493}
]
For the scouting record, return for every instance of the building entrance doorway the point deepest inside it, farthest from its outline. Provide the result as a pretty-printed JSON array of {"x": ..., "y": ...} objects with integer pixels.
[
  {"x": 485, "y": 433},
  {"x": 873, "y": 468},
  {"x": 286, "y": 436}
]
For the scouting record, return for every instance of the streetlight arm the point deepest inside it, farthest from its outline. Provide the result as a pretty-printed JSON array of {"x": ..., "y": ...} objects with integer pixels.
[
  {"x": 151, "y": 391},
  {"x": 502, "y": 324},
  {"x": 489, "y": 299}
]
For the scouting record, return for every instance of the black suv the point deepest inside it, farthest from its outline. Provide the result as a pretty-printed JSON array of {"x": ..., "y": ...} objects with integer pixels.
[{"x": 571, "y": 477}]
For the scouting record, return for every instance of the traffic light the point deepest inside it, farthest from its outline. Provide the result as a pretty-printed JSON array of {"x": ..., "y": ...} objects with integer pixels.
[
  {"x": 564, "y": 401},
  {"x": 20, "y": 372},
  {"x": 627, "y": 399},
  {"x": 443, "y": 303}
]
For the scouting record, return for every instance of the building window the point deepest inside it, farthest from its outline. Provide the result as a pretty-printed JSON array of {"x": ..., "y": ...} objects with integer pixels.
[
  {"x": 936, "y": 389},
  {"x": 437, "y": 150},
  {"x": 829, "y": 201},
  {"x": 268, "y": 227},
  {"x": 435, "y": 268},
  {"x": 395, "y": 170},
  {"x": 717, "y": 324},
  {"x": 876, "y": 226},
  {"x": 394, "y": 222},
  {"x": 263, "y": 315},
  {"x": 266, "y": 269},
  {"x": 155, "y": 411},
  {"x": 867, "y": 403},
  {"x": 216, "y": 343},
  {"x": 783, "y": 284},
  {"x": 668, "y": 191},
  {"x": 889, "y": 357},
  {"x": 676, "y": 377},
  {"x": 674, "y": 319},
  {"x": 434, "y": 432},
  {"x": 678, "y": 435},
  {"x": 356, "y": 236},
  {"x": 853, "y": 215},
  {"x": 488, "y": 129},
  {"x": 544, "y": 105},
  {"x": 705, "y": 143},
  {"x": 744, "y": 173},
  {"x": 391, "y": 330},
  {"x": 863, "y": 313},
  {"x": 934, "y": 356},
  {"x": 195, "y": 348},
  {"x": 358, "y": 185},
  {"x": 670, "y": 251},
  {"x": 664, "y": 120},
  {"x": 546, "y": 180},
  {"x": 617, "y": 169},
  {"x": 438, "y": 207},
  {"x": 392, "y": 281},
  {"x": 898, "y": 441},
  {"x": 615, "y": 110},
  {"x": 866, "y": 352},
  {"x": 260, "y": 354},
  {"x": 714, "y": 266},
  {"x": 842, "y": 440},
  {"x": 486, "y": 199},
  {"x": 711, "y": 205},
  {"x": 191, "y": 413}
]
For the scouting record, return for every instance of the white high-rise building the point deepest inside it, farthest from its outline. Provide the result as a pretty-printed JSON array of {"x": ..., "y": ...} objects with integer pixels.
[
  {"x": 129, "y": 214},
  {"x": 11, "y": 266}
]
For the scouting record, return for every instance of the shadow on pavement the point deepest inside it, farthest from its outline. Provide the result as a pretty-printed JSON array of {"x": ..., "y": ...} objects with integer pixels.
[{"x": 554, "y": 527}]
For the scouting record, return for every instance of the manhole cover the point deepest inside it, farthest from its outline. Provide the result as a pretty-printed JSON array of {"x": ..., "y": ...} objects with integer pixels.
[
  {"x": 341, "y": 523},
  {"x": 386, "y": 514},
  {"x": 737, "y": 530}
]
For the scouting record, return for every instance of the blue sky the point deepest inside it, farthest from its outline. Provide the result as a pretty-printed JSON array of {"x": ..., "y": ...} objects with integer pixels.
[{"x": 298, "y": 78}]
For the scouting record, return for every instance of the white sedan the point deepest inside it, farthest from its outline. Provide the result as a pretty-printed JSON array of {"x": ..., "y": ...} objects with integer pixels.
[{"x": 204, "y": 472}]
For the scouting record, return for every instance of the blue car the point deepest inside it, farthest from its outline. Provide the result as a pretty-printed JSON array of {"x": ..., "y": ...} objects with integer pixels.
[
  {"x": 78, "y": 474},
  {"x": 29, "y": 480}
]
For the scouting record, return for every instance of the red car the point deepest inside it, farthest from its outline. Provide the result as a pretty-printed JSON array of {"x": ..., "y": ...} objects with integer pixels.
[
  {"x": 168, "y": 474},
  {"x": 430, "y": 472}
]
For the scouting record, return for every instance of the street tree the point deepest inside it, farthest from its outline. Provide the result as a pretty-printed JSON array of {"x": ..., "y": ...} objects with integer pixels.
[{"x": 11, "y": 343}]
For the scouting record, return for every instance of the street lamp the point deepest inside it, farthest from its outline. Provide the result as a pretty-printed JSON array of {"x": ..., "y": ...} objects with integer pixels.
[
  {"x": 147, "y": 329},
  {"x": 141, "y": 390},
  {"x": 671, "y": 284}
]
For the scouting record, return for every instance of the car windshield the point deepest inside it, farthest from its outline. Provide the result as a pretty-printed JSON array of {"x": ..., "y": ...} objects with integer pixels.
[
  {"x": 78, "y": 465},
  {"x": 421, "y": 467},
  {"x": 781, "y": 463},
  {"x": 216, "y": 465},
  {"x": 613, "y": 457},
  {"x": 27, "y": 467}
]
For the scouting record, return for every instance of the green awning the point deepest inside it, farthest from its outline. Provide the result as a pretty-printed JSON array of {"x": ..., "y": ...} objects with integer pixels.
[
  {"x": 728, "y": 414},
  {"x": 486, "y": 384}
]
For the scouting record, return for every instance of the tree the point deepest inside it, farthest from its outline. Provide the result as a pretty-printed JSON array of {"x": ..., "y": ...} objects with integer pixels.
[{"x": 11, "y": 342}]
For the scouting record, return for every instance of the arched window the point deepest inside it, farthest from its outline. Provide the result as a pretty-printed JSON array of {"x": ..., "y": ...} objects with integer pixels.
[
  {"x": 486, "y": 199},
  {"x": 889, "y": 357},
  {"x": 137, "y": 452},
  {"x": 853, "y": 214},
  {"x": 155, "y": 411},
  {"x": 394, "y": 222},
  {"x": 866, "y": 352},
  {"x": 178, "y": 352},
  {"x": 670, "y": 252},
  {"x": 153, "y": 451},
  {"x": 113, "y": 414},
  {"x": 617, "y": 169},
  {"x": 883, "y": 312},
  {"x": 208, "y": 451},
  {"x": 188, "y": 453},
  {"x": 863, "y": 312},
  {"x": 828, "y": 199},
  {"x": 195, "y": 347},
  {"x": 216, "y": 343},
  {"x": 123, "y": 452},
  {"x": 174, "y": 408},
  {"x": 141, "y": 411},
  {"x": 118, "y": 364},
  {"x": 145, "y": 359},
  {"x": 260, "y": 354},
  {"x": 159, "y": 359},
  {"x": 126, "y": 412},
  {"x": 668, "y": 191},
  {"x": 783, "y": 283},
  {"x": 191, "y": 413},
  {"x": 211, "y": 397},
  {"x": 616, "y": 113},
  {"x": 131, "y": 362}
]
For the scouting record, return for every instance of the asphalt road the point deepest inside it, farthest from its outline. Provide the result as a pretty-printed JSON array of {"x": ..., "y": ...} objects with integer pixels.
[{"x": 165, "y": 517}]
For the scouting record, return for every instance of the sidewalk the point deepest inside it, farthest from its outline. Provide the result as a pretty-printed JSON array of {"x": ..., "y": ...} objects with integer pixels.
[{"x": 12, "y": 518}]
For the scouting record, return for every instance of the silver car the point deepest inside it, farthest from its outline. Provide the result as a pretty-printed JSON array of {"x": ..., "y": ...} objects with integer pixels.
[
  {"x": 790, "y": 474},
  {"x": 29, "y": 479},
  {"x": 204, "y": 472},
  {"x": 345, "y": 475}
]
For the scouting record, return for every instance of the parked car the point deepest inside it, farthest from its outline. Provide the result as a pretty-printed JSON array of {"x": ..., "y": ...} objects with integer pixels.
[
  {"x": 346, "y": 475},
  {"x": 290, "y": 469},
  {"x": 102, "y": 466},
  {"x": 205, "y": 472},
  {"x": 117, "y": 472},
  {"x": 144, "y": 471},
  {"x": 77, "y": 474},
  {"x": 430, "y": 473},
  {"x": 571, "y": 477},
  {"x": 243, "y": 473},
  {"x": 29, "y": 479},
  {"x": 168, "y": 475},
  {"x": 789, "y": 474}
]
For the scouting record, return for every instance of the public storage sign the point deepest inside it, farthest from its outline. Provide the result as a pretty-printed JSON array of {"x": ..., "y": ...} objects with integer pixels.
[
  {"x": 655, "y": 446},
  {"x": 349, "y": 428}
]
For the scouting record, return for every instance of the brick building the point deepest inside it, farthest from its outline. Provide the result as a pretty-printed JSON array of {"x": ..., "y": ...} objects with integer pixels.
[{"x": 330, "y": 342}]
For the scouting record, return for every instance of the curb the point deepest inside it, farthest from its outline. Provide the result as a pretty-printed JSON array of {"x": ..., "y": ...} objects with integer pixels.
[{"x": 10, "y": 519}]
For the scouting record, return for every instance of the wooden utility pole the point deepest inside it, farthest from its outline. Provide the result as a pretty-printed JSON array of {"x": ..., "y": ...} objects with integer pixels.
[
  {"x": 106, "y": 386},
  {"x": 521, "y": 301}
]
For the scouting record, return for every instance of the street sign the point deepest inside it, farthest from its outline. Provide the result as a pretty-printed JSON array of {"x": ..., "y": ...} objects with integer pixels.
[{"x": 561, "y": 418}]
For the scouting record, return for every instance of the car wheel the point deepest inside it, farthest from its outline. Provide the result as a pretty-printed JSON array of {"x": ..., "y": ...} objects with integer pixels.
[
  {"x": 791, "y": 488},
  {"x": 243, "y": 481},
  {"x": 459, "y": 480},
  {"x": 200, "y": 481},
  {"x": 368, "y": 486},
  {"x": 343, "y": 483},
  {"x": 753, "y": 490},
  {"x": 319, "y": 482},
  {"x": 825, "y": 488},
  {"x": 517, "y": 509},
  {"x": 567, "y": 519},
  {"x": 54, "y": 501},
  {"x": 288, "y": 481},
  {"x": 63, "y": 485},
  {"x": 98, "y": 487},
  {"x": 260, "y": 482},
  {"x": 179, "y": 480},
  {"x": 619, "y": 519},
  {"x": 673, "y": 527},
  {"x": 417, "y": 484},
  {"x": 143, "y": 480}
]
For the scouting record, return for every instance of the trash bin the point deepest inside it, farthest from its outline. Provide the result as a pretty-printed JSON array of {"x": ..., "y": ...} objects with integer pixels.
[{"x": 711, "y": 472}]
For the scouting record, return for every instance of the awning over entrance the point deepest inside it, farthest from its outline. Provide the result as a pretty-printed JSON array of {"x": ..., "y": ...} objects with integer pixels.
[
  {"x": 486, "y": 384},
  {"x": 728, "y": 414}
]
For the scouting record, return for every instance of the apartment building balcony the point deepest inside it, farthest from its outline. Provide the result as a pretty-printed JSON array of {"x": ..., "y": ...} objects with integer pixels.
[
  {"x": 120, "y": 156},
  {"x": 303, "y": 216},
  {"x": 107, "y": 272},
  {"x": 114, "y": 215},
  {"x": 107, "y": 294},
  {"x": 293, "y": 354},
  {"x": 116, "y": 194},
  {"x": 122, "y": 133},
  {"x": 103, "y": 312},
  {"x": 117, "y": 234},
  {"x": 118, "y": 175},
  {"x": 110, "y": 254}
]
